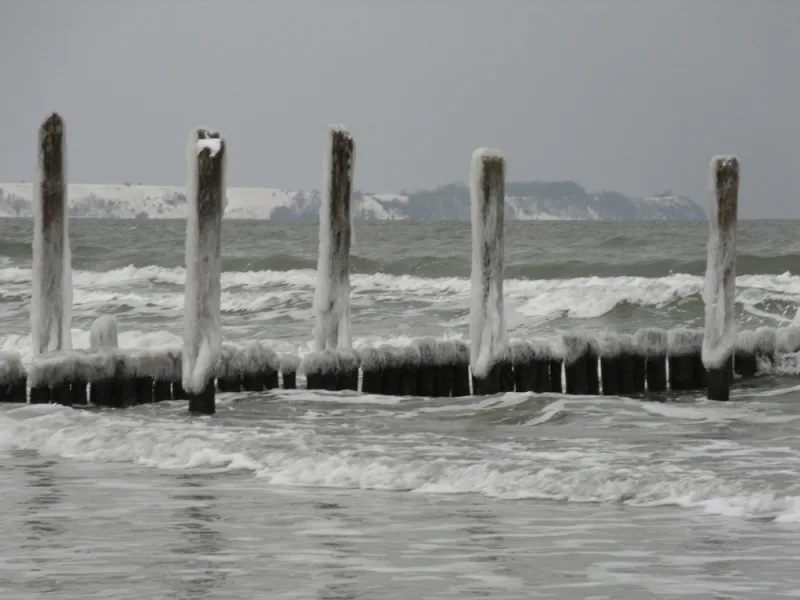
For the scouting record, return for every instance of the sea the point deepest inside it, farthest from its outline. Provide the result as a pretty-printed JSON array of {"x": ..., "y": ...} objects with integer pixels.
[{"x": 300, "y": 495}]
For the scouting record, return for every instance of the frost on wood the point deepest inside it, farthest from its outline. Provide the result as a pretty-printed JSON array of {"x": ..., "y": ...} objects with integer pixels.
[
  {"x": 212, "y": 144},
  {"x": 462, "y": 353},
  {"x": 788, "y": 339},
  {"x": 371, "y": 359},
  {"x": 427, "y": 350},
  {"x": 54, "y": 368},
  {"x": 651, "y": 342},
  {"x": 288, "y": 363},
  {"x": 393, "y": 358},
  {"x": 167, "y": 361},
  {"x": 487, "y": 321},
  {"x": 205, "y": 192},
  {"x": 684, "y": 342},
  {"x": 232, "y": 361},
  {"x": 446, "y": 352},
  {"x": 100, "y": 366},
  {"x": 541, "y": 349},
  {"x": 349, "y": 360},
  {"x": 627, "y": 344},
  {"x": 522, "y": 353},
  {"x": 320, "y": 363},
  {"x": 11, "y": 369},
  {"x": 720, "y": 282},
  {"x": 411, "y": 356},
  {"x": 268, "y": 359},
  {"x": 332, "y": 297},
  {"x": 103, "y": 333},
  {"x": 608, "y": 345},
  {"x": 762, "y": 341},
  {"x": 571, "y": 347},
  {"x": 51, "y": 296}
]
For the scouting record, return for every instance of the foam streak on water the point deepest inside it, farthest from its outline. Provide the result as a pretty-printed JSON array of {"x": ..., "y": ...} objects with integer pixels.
[{"x": 342, "y": 495}]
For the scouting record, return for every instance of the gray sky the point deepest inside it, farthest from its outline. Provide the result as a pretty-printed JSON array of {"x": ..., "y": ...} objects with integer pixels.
[{"x": 630, "y": 95}]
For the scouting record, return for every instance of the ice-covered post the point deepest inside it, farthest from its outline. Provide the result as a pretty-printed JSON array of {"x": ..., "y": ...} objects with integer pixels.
[
  {"x": 574, "y": 351},
  {"x": 13, "y": 380},
  {"x": 720, "y": 283},
  {"x": 332, "y": 298},
  {"x": 487, "y": 322},
  {"x": 103, "y": 337},
  {"x": 289, "y": 363},
  {"x": 51, "y": 297},
  {"x": 202, "y": 336},
  {"x": 652, "y": 344}
]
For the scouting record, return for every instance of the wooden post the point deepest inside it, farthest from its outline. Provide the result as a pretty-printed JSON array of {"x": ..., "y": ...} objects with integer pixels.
[
  {"x": 349, "y": 361},
  {"x": 609, "y": 349},
  {"x": 720, "y": 282},
  {"x": 487, "y": 321},
  {"x": 745, "y": 362},
  {"x": 426, "y": 372},
  {"x": 541, "y": 366},
  {"x": 372, "y": 368},
  {"x": 592, "y": 367},
  {"x": 13, "y": 383},
  {"x": 289, "y": 363},
  {"x": 683, "y": 346},
  {"x": 652, "y": 344},
  {"x": 411, "y": 360},
  {"x": 574, "y": 351},
  {"x": 332, "y": 298},
  {"x": 202, "y": 336},
  {"x": 51, "y": 296},
  {"x": 461, "y": 376},
  {"x": 522, "y": 359},
  {"x": 628, "y": 371},
  {"x": 394, "y": 361}
]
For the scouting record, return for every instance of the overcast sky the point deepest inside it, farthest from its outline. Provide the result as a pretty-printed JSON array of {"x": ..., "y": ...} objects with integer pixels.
[{"x": 630, "y": 95}]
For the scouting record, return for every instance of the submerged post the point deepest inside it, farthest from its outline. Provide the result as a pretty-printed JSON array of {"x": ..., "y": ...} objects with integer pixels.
[
  {"x": 332, "y": 298},
  {"x": 720, "y": 283},
  {"x": 202, "y": 336},
  {"x": 487, "y": 322},
  {"x": 51, "y": 296}
]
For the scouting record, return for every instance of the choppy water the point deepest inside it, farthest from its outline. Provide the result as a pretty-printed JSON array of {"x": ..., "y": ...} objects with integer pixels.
[{"x": 340, "y": 495}]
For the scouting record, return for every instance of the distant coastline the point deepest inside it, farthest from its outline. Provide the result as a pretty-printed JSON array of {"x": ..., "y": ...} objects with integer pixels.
[{"x": 533, "y": 200}]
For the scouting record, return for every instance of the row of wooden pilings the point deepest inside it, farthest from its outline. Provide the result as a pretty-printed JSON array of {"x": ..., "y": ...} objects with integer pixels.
[
  {"x": 652, "y": 360},
  {"x": 487, "y": 364}
]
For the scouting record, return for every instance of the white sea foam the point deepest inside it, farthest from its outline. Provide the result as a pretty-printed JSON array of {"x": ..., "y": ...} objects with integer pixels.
[
  {"x": 254, "y": 291},
  {"x": 295, "y": 456}
]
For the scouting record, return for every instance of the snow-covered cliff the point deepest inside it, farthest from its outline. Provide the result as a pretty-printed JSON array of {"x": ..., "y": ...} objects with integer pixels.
[{"x": 524, "y": 201}]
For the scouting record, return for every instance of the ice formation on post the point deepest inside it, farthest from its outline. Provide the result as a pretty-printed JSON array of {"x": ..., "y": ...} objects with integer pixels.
[
  {"x": 332, "y": 298},
  {"x": 13, "y": 379},
  {"x": 487, "y": 322},
  {"x": 205, "y": 193},
  {"x": 788, "y": 339},
  {"x": 51, "y": 296},
  {"x": 683, "y": 352},
  {"x": 720, "y": 283},
  {"x": 103, "y": 333}
]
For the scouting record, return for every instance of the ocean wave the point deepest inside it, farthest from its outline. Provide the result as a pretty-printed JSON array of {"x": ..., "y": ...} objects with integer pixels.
[
  {"x": 575, "y": 297},
  {"x": 295, "y": 455}
]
